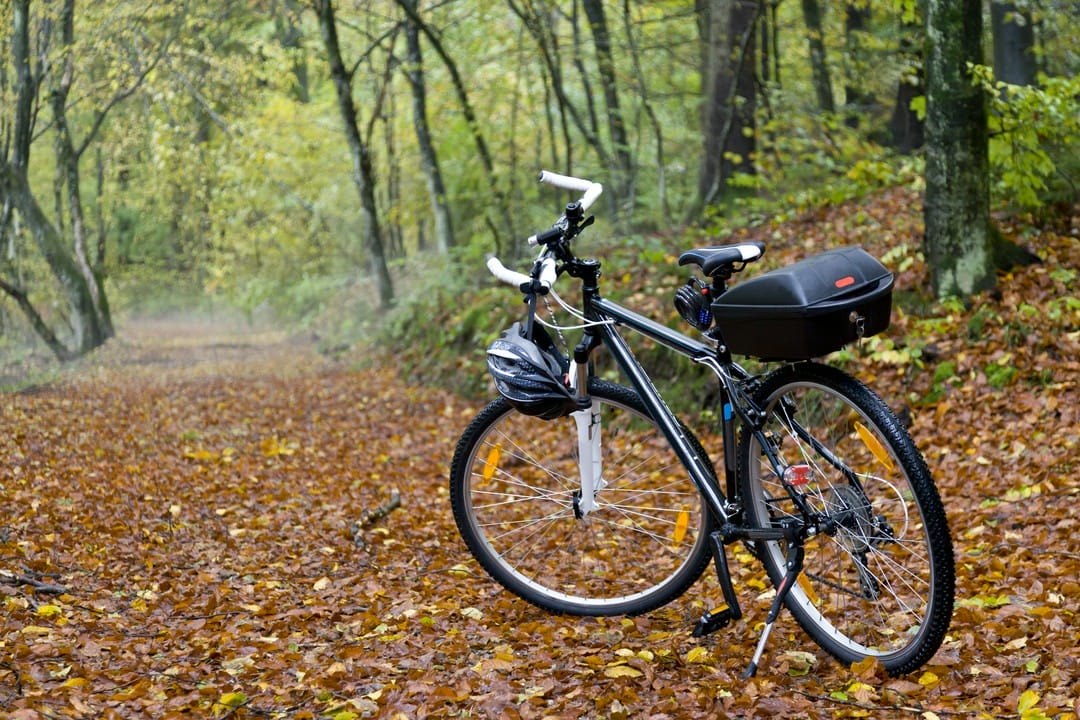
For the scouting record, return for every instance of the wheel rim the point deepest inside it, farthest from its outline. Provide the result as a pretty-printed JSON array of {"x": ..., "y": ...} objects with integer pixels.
[{"x": 639, "y": 543}]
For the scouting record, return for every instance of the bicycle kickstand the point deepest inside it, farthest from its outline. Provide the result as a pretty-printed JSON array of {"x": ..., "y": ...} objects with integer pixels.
[{"x": 794, "y": 567}]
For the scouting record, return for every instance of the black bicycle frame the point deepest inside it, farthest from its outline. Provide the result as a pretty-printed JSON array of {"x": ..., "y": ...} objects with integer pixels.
[{"x": 598, "y": 310}]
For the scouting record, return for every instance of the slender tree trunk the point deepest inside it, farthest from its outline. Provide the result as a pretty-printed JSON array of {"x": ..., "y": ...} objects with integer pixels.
[
  {"x": 1014, "y": 43},
  {"x": 958, "y": 241},
  {"x": 98, "y": 323},
  {"x": 594, "y": 10},
  {"x": 646, "y": 103},
  {"x": 363, "y": 176},
  {"x": 908, "y": 129},
  {"x": 818, "y": 64},
  {"x": 288, "y": 32},
  {"x": 856, "y": 98},
  {"x": 507, "y": 219},
  {"x": 440, "y": 209},
  {"x": 547, "y": 44},
  {"x": 730, "y": 95}
]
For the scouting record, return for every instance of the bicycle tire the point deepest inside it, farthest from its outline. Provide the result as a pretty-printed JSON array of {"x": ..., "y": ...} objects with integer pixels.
[
  {"x": 880, "y": 582},
  {"x": 512, "y": 484}
]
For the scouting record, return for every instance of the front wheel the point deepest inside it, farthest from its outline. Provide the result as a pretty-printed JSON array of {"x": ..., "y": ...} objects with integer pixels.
[
  {"x": 515, "y": 489},
  {"x": 878, "y": 579}
]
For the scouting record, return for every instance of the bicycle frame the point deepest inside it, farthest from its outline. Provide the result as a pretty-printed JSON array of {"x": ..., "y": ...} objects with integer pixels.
[{"x": 598, "y": 311}]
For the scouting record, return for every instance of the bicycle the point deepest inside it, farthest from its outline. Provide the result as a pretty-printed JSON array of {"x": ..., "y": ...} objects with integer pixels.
[{"x": 587, "y": 497}]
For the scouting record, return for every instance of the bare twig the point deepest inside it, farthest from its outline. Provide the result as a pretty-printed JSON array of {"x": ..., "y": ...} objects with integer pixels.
[
  {"x": 370, "y": 517},
  {"x": 9, "y": 578}
]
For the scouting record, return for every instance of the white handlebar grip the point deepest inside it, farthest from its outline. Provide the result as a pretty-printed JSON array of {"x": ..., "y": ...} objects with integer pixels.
[
  {"x": 510, "y": 277},
  {"x": 564, "y": 181},
  {"x": 590, "y": 195}
]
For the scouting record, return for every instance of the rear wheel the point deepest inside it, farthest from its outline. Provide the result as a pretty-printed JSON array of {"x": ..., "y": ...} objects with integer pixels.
[
  {"x": 514, "y": 489},
  {"x": 879, "y": 580}
]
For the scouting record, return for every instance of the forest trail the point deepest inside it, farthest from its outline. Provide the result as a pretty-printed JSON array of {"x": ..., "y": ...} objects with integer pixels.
[{"x": 179, "y": 538}]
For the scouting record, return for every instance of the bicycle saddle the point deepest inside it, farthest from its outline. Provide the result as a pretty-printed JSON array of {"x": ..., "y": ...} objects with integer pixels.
[{"x": 712, "y": 259}]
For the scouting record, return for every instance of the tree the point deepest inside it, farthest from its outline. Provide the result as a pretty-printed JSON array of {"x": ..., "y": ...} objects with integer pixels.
[
  {"x": 429, "y": 160},
  {"x": 815, "y": 39},
  {"x": 729, "y": 93},
  {"x": 605, "y": 63},
  {"x": 1014, "y": 43},
  {"x": 363, "y": 173},
  {"x": 46, "y": 66},
  {"x": 958, "y": 241},
  {"x": 908, "y": 125}
]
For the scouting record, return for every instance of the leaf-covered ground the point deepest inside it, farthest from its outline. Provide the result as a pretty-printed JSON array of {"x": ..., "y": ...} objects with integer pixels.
[{"x": 185, "y": 531}]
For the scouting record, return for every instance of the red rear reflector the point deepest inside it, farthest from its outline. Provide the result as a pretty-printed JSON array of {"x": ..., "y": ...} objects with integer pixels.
[
  {"x": 845, "y": 281},
  {"x": 798, "y": 474}
]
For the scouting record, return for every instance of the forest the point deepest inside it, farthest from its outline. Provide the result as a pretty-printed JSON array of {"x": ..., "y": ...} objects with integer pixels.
[
  {"x": 289, "y": 160},
  {"x": 243, "y": 313}
]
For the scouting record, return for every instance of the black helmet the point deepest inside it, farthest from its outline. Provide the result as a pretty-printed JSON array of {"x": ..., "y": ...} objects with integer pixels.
[{"x": 530, "y": 374}]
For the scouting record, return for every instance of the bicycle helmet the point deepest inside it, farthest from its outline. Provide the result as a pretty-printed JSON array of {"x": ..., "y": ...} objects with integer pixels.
[{"x": 530, "y": 374}]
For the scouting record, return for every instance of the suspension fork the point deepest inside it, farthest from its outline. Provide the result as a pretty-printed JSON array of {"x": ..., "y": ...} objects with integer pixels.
[{"x": 589, "y": 429}]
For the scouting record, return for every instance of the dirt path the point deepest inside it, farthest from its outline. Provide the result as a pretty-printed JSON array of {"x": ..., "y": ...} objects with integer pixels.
[{"x": 177, "y": 539}]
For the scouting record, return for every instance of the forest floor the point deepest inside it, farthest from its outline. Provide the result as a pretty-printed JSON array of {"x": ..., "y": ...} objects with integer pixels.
[{"x": 181, "y": 536}]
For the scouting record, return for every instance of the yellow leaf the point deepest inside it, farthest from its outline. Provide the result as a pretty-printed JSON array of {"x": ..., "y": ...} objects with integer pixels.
[
  {"x": 35, "y": 630},
  {"x": 48, "y": 611},
  {"x": 1028, "y": 700},
  {"x": 618, "y": 671},
  {"x": 77, "y": 682},
  {"x": 229, "y": 701},
  {"x": 698, "y": 655},
  {"x": 929, "y": 679},
  {"x": 272, "y": 447}
]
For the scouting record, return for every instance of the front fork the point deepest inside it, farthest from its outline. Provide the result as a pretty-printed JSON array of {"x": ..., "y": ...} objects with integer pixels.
[{"x": 590, "y": 462}]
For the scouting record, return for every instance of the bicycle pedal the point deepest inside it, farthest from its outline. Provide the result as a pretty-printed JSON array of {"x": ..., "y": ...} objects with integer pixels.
[{"x": 713, "y": 621}]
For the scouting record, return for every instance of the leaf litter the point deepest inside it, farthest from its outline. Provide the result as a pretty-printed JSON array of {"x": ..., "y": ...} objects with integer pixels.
[{"x": 200, "y": 528}]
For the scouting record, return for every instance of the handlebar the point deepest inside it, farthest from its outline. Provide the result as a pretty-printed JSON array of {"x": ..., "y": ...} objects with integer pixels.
[
  {"x": 517, "y": 279},
  {"x": 590, "y": 189},
  {"x": 590, "y": 192}
]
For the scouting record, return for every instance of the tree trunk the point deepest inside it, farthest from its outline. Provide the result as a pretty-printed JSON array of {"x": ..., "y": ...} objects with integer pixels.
[
  {"x": 13, "y": 186},
  {"x": 507, "y": 219},
  {"x": 958, "y": 242},
  {"x": 440, "y": 209},
  {"x": 70, "y": 264},
  {"x": 594, "y": 10},
  {"x": 646, "y": 103},
  {"x": 98, "y": 323},
  {"x": 730, "y": 99},
  {"x": 818, "y": 64},
  {"x": 908, "y": 129},
  {"x": 363, "y": 175},
  {"x": 288, "y": 32},
  {"x": 1014, "y": 43},
  {"x": 856, "y": 98}
]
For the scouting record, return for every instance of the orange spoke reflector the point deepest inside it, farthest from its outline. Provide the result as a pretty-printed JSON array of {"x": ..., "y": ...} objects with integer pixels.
[
  {"x": 875, "y": 446},
  {"x": 491, "y": 464},
  {"x": 804, "y": 583},
  {"x": 681, "y": 523}
]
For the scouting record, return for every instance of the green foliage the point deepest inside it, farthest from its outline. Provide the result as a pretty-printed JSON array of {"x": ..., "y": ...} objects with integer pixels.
[{"x": 1034, "y": 137}]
